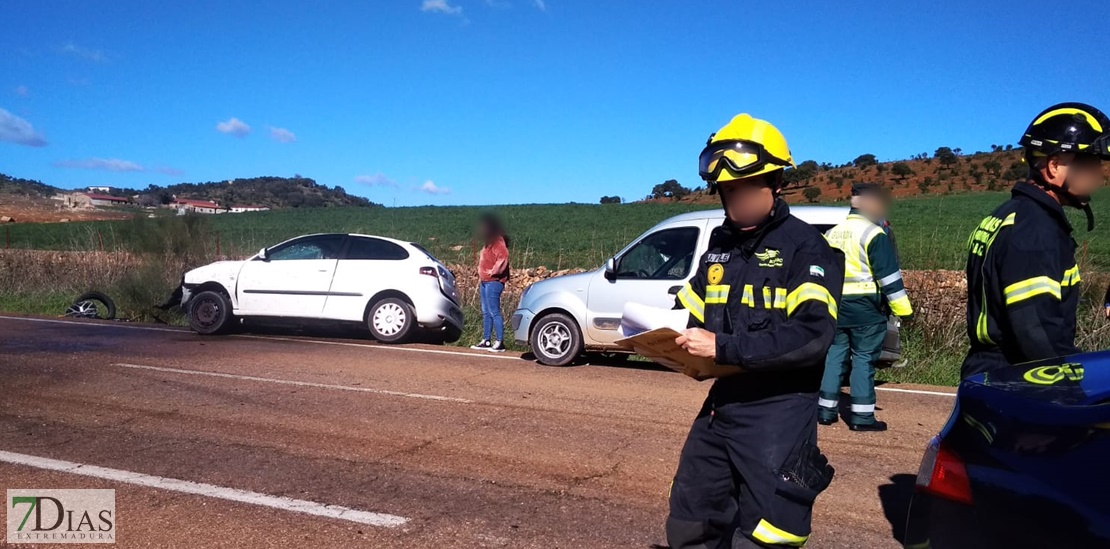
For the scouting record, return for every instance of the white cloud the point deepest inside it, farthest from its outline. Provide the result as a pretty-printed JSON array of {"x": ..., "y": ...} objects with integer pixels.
[
  {"x": 108, "y": 164},
  {"x": 14, "y": 129},
  {"x": 281, "y": 135},
  {"x": 440, "y": 6},
  {"x": 234, "y": 126},
  {"x": 95, "y": 56},
  {"x": 429, "y": 187},
  {"x": 540, "y": 5},
  {"x": 377, "y": 180},
  {"x": 22, "y": 91},
  {"x": 169, "y": 171}
]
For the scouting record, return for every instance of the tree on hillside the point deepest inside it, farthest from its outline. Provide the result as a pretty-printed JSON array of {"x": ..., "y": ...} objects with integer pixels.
[
  {"x": 1009, "y": 148},
  {"x": 669, "y": 189},
  {"x": 610, "y": 200},
  {"x": 995, "y": 148},
  {"x": 811, "y": 193},
  {"x": 946, "y": 157},
  {"x": 865, "y": 160},
  {"x": 993, "y": 166},
  {"x": 923, "y": 187},
  {"x": 958, "y": 151},
  {"x": 1017, "y": 171},
  {"x": 802, "y": 174},
  {"x": 901, "y": 170}
]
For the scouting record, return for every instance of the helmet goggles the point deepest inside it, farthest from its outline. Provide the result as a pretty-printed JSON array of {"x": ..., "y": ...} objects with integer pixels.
[{"x": 741, "y": 157}]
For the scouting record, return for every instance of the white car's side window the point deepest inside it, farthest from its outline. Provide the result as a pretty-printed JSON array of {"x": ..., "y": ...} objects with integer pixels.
[
  {"x": 324, "y": 247},
  {"x": 664, "y": 255}
]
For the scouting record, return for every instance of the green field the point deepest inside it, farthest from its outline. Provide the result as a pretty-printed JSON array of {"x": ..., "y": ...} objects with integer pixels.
[{"x": 931, "y": 231}]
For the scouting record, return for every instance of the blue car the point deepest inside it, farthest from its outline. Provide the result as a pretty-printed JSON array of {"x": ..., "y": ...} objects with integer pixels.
[{"x": 1024, "y": 461}]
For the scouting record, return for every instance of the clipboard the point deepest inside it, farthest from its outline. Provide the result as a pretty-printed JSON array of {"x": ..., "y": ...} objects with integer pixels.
[{"x": 659, "y": 346}]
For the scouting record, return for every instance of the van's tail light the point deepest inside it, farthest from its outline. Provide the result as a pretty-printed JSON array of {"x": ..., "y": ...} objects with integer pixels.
[
  {"x": 430, "y": 271},
  {"x": 944, "y": 474}
]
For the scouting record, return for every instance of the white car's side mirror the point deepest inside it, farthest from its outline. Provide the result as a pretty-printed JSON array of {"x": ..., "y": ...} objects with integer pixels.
[
  {"x": 262, "y": 255},
  {"x": 611, "y": 268}
]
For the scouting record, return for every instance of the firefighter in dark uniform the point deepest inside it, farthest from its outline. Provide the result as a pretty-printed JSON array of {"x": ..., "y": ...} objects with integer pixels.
[
  {"x": 1022, "y": 277},
  {"x": 764, "y": 301}
]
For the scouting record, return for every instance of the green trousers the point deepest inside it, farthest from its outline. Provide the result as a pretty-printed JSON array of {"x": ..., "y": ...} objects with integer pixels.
[{"x": 864, "y": 344}]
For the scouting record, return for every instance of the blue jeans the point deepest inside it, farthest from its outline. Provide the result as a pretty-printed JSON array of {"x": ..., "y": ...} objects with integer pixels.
[{"x": 491, "y": 310}]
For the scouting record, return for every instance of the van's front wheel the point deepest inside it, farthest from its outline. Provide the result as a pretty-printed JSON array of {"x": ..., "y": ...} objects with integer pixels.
[{"x": 556, "y": 340}]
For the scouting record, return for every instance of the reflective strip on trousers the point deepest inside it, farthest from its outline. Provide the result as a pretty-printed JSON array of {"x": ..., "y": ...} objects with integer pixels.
[
  {"x": 863, "y": 408},
  {"x": 826, "y": 403},
  {"x": 766, "y": 532}
]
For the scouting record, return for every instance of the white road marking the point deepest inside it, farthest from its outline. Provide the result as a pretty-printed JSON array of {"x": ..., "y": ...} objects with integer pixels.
[
  {"x": 915, "y": 391},
  {"x": 96, "y": 324},
  {"x": 481, "y": 354},
  {"x": 368, "y": 346},
  {"x": 207, "y": 490},
  {"x": 296, "y": 383}
]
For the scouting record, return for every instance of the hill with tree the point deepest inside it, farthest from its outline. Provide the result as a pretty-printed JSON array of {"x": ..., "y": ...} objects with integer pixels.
[
  {"x": 272, "y": 192},
  {"x": 945, "y": 171}
]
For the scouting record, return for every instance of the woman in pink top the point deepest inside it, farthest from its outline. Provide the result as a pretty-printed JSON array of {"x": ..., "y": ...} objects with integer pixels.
[{"x": 493, "y": 273}]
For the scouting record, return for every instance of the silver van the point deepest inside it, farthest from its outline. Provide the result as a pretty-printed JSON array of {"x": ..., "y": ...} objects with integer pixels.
[{"x": 563, "y": 317}]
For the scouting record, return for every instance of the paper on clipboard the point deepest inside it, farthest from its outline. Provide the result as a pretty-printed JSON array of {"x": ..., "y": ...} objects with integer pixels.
[{"x": 652, "y": 333}]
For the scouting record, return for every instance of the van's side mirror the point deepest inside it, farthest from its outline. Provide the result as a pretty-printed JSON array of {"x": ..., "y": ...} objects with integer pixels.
[
  {"x": 262, "y": 255},
  {"x": 611, "y": 268}
]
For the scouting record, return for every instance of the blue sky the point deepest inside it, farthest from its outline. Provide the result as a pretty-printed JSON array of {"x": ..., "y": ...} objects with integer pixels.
[{"x": 508, "y": 101}]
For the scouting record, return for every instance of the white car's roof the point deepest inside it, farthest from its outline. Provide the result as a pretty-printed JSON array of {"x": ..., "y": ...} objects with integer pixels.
[
  {"x": 814, "y": 215},
  {"x": 386, "y": 238}
]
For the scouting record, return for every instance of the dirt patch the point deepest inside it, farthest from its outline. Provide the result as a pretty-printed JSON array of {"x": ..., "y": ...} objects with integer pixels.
[{"x": 36, "y": 209}]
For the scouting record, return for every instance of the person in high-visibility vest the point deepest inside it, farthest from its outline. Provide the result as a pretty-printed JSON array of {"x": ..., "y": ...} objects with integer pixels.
[{"x": 872, "y": 283}]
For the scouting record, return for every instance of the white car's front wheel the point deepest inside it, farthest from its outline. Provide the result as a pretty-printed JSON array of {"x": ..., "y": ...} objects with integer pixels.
[
  {"x": 556, "y": 340},
  {"x": 390, "y": 320}
]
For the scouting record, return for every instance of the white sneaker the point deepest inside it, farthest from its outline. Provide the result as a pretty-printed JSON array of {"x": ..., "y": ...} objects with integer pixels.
[
  {"x": 485, "y": 345},
  {"x": 496, "y": 347}
]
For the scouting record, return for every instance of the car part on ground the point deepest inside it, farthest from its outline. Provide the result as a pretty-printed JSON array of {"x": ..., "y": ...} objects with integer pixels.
[
  {"x": 92, "y": 305},
  {"x": 556, "y": 340},
  {"x": 210, "y": 313}
]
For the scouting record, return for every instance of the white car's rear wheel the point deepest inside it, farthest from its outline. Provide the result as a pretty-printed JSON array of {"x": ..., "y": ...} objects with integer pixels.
[
  {"x": 556, "y": 340},
  {"x": 391, "y": 320}
]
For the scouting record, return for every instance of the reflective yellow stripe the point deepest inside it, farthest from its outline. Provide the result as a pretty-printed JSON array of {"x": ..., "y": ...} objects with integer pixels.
[
  {"x": 901, "y": 306},
  {"x": 860, "y": 288},
  {"x": 1032, "y": 287},
  {"x": 1071, "y": 277},
  {"x": 690, "y": 300},
  {"x": 1071, "y": 110},
  {"x": 717, "y": 293},
  {"x": 772, "y": 535},
  {"x": 780, "y": 298},
  {"x": 766, "y": 297},
  {"x": 807, "y": 292},
  {"x": 749, "y": 296}
]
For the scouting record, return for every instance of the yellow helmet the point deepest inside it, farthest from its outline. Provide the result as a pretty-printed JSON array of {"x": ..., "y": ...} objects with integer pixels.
[{"x": 745, "y": 147}]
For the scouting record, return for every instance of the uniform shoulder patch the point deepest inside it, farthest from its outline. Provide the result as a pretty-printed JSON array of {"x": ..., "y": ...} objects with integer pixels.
[
  {"x": 718, "y": 258},
  {"x": 816, "y": 271}
]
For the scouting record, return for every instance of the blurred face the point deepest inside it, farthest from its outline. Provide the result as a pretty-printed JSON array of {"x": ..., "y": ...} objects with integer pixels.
[
  {"x": 748, "y": 201},
  {"x": 872, "y": 207},
  {"x": 1083, "y": 173}
]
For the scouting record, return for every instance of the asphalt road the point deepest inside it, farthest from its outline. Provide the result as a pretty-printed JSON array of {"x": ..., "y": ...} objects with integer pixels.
[{"x": 424, "y": 446}]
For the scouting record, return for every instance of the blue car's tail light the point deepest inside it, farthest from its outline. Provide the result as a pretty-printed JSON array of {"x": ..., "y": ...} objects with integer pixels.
[{"x": 943, "y": 474}]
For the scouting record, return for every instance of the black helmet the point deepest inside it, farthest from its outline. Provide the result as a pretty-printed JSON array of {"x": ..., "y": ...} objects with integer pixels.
[{"x": 1068, "y": 127}]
